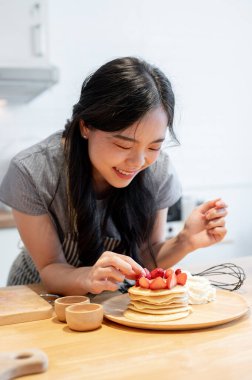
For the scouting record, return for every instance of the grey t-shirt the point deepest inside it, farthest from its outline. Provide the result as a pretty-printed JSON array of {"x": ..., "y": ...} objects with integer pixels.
[{"x": 35, "y": 184}]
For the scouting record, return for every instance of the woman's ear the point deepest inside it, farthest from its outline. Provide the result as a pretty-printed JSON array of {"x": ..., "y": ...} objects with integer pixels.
[{"x": 84, "y": 129}]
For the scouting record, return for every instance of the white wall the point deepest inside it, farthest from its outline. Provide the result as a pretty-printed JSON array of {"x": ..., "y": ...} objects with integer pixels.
[{"x": 204, "y": 46}]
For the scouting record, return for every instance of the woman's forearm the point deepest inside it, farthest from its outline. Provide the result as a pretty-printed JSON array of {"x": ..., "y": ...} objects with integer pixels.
[
  {"x": 204, "y": 227},
  {"x": 62, "y": 278},
  {"x": 171, "y": 251}
]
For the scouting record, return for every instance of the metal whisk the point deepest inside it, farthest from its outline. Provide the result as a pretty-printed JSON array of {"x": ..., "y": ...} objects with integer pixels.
[{"x": 233, "y": 276}]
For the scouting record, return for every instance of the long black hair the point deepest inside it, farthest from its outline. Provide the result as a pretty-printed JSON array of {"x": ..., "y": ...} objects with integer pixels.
[{"x": 114, "y": 97}]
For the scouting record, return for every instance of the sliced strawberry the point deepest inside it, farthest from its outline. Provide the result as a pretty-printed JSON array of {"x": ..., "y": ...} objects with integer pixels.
[
  {"x": 137, "y": 281},
  {"x": 177, "y": 271},
  {"x": 157, "y": 283},
  {"x": 171, "y": 281},
  {"x": 157, "y": 272},
  {"x": 181, "y": 278},
  {"x": 147, "y": 273},
  {"x": 144, "y": 282},
  {"x": 138, "y": 276},
  {"x": 168, "y": 272}
]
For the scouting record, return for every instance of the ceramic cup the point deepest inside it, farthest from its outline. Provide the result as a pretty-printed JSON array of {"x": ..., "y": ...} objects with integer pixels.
[
  {"x": 62, "y": 303},
  {"x": 84, "y": 317}
]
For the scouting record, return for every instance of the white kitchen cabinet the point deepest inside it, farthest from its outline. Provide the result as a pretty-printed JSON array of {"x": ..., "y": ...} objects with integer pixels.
[
  {"x": 23, "y": 33},
  {"x": 25, "y": 70},
  {"x": 9, "y": 243}
]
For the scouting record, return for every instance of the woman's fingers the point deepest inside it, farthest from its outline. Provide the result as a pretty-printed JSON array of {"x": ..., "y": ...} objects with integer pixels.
[
  {"x": 109, "y": 285},
  {"x": 110, "y": 269},
  {"x": 220, "y": 222},
  {"x": 214, "y": 205},
  {"x": 111, "y": 273},
  {"x": 214, "y": 213},
  {"x": 216, "y": 223},
  {"x": 220, "y": 204},
  {"x": 137, "y": 269},
  {"x": 100, "y": 286},
  {"x": 116, "y": 262},
  {"x": 204, "y": 207},
  {"x": 124, "y": 264},
  {"x": 218, "y": 233}
]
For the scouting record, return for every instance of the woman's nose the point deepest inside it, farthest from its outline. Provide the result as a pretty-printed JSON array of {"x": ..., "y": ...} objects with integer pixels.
[{"x": 136, "y": 159}]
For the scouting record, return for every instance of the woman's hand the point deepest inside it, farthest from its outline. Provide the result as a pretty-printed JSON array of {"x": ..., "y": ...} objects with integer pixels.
[
  {"x": 110, "y": 269},
  {"x": 206, "y": 224}
]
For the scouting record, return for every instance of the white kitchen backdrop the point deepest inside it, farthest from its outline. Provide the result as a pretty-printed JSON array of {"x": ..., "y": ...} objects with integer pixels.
[{"x": 204, "y": 46}]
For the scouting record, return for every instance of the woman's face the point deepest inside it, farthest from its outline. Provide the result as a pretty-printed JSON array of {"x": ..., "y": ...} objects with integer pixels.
[{"x": 117, "y": 157}]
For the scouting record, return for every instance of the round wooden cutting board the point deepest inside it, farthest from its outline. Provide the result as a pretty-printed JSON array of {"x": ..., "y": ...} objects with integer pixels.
[{"x": 227, "y": 307}]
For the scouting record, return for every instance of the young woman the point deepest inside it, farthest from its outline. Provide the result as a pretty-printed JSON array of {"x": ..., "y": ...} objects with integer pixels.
[{"x": 91, "y": 203}]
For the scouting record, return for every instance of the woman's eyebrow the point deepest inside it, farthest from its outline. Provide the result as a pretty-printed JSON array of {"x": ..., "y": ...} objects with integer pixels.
[{"x": 134, "y": 140}]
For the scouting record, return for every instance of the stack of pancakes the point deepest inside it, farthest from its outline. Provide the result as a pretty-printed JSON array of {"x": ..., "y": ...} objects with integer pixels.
[{"x": 162, "y": 305}]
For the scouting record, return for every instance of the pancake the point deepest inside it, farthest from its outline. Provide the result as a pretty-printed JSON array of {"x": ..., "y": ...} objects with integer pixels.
[
  {"x": 154, "y": 318},
  {"x": 155, "y": 304},
  {"x": 142, "y": 305},
  {"x": 136, "y": 290},
  {"x": 167, "y": 300},
  {"x": 167, "y": 311},
  {"x": 161, "y": 305}
]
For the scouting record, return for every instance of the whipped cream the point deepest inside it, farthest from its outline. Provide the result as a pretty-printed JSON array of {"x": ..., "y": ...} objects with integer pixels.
[{"x": 200, "y": 290}]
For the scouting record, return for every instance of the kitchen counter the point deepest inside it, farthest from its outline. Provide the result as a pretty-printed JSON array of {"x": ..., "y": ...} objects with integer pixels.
[
  {"x": 118, "y": 352},
  {"x": 6, "y": 219}
]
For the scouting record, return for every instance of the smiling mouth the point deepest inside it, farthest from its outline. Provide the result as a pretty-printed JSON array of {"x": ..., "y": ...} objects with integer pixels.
[{"x": 125, "y": 174}]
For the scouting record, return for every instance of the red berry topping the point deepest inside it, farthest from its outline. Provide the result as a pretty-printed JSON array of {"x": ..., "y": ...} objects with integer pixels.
[
  {"x": 171, "y": 281},
  {"x": 157, "y": 283},
  {"x": 168, "y": 272},
  {"x": 177, "y": 271},
  {"x": 144, "y": 282},
  {"x": 181, "y": 278},
  {"x": 157, "y": 272}
]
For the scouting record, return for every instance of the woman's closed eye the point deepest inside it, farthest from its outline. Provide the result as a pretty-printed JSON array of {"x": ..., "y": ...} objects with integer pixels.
[
  {"x": 129, "y": 147},
  {"x": 155, "y": 149},
  {"x": 123, "y": 146}
]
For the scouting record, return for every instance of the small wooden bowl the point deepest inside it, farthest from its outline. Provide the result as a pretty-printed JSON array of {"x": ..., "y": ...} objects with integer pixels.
[
  {"x": 84, "y": 317},
  {"x": 62, "y": 303}
]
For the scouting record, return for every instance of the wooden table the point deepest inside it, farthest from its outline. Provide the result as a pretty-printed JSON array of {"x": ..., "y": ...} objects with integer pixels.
[{"x": 118, "y": 352}]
